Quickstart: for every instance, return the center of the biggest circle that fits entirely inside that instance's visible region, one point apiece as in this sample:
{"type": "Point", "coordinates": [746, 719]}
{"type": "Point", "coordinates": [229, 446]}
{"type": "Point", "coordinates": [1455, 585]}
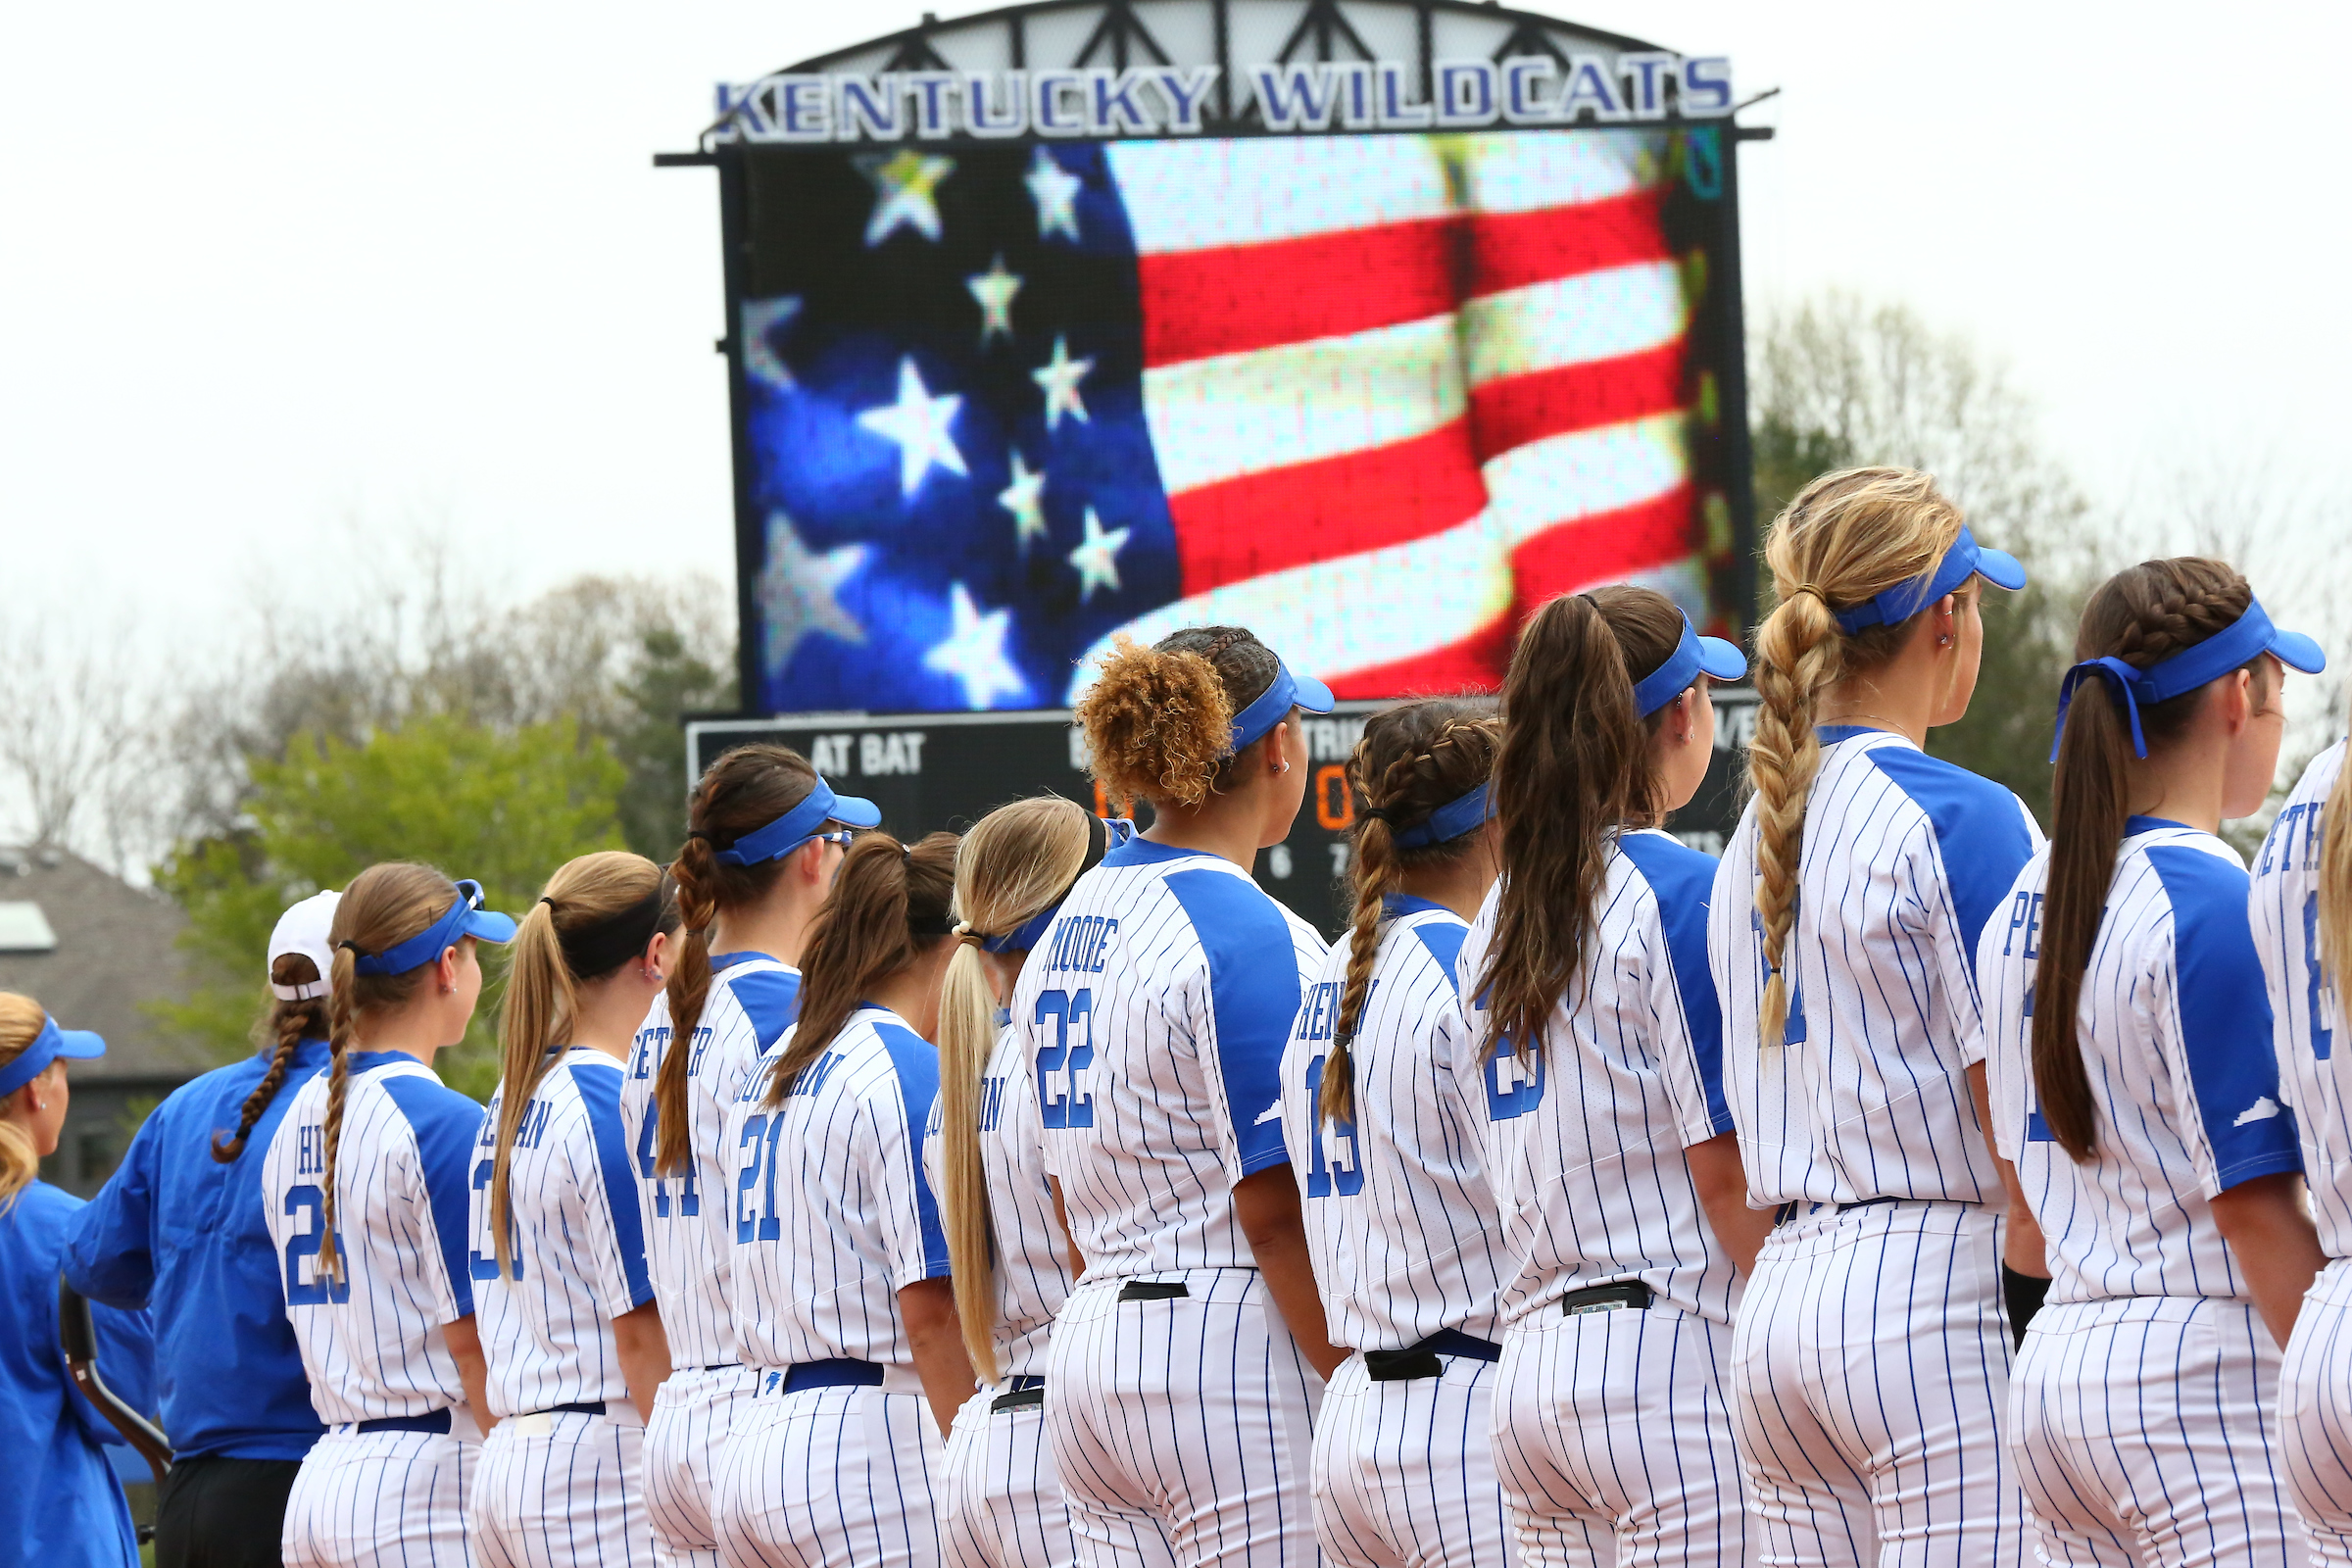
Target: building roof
{"type": "Point", "coordinates": [113, 950]}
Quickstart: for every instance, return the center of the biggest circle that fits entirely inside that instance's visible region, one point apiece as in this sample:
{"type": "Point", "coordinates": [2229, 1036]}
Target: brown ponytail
{"type": "Point", "coordinates": [20, 1021]}
{"type": "Point", "coordinates": [2140, 616]}
{"type": "Point", "coordinates": [1012, 866]}
{"type": "Point", "coordinates": [743, 792]}
{"type": "Point", "coordinates": [864, 936]}
{"type": "Point", "coordinates": [1573, 768]}
{"type": "Point", "coordinates": [1158, 721]}
{"type": "Point", "coordinates": [1411, 760]}
{"type": "Point", "coordinates": [543, 997]}
{"type": "Point", "coordinates": [1846, 538]}
{"type": "Point", "coordinates": [384, 905]}
{"type": "Point", "coordinates": [2335, 883]}
{"type": "Point", "coordinates": [287, 1024]}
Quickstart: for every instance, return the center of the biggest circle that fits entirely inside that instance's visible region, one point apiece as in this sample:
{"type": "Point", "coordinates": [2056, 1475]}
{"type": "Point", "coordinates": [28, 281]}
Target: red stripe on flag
{"type": "Point", "coordinates": [1520, 409]}
{"type": "Point", "coordinates": [1604, 548]}
{"type": "Point", "coordinates": [1262, 522]}
{"type": "Point", "coordinates": [1509, 250]}
{"type": "Point", "coordinates": [1476, 663]}
{"type": "Point", "coordinates": [1235, 298]}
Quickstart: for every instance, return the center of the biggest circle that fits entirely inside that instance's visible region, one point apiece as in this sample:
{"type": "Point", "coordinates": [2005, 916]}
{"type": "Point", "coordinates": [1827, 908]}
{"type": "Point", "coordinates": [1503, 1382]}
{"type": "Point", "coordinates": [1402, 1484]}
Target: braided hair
{"type": "Point", "coordinates": [1411, 760]}
{"type": "Point", "coordinates": [2141, 616]}
{"type": "Point", "coordinates": [285, 1026]}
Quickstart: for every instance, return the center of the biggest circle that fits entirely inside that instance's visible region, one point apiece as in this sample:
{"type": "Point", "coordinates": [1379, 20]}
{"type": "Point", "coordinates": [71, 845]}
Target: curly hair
{"type": "Point", "coordinates": [1158, 721]}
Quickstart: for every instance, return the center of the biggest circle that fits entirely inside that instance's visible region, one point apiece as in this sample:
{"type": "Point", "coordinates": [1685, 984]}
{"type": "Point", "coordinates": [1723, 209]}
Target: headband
{"type": "Point", "coordinates": [602, 945]}
{"type": "Point", "coordinates": [2248, 637]}
{"type": "Point", "coordinates": [1965, 559]}
{"type": "Point", "coordinates": [795, 827]}
{"type": "Point", "coordinates": [1464, 814]}
{"type": "Point", "coordinates": [1693, 657]}
{"type": "Point", "coordinates": [1272, 705]}
{"type": "Point", "coordinates": [74, 1044]}
{"type": "Point", "coordinates": [466, 918]}
{"type": "Point", "coordinates": [1100, 836]}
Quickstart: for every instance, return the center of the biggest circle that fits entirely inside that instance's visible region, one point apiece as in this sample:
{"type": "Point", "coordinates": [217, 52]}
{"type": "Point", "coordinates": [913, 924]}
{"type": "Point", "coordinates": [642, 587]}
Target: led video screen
{"type": "Point", "coordinates": [1376, 397]}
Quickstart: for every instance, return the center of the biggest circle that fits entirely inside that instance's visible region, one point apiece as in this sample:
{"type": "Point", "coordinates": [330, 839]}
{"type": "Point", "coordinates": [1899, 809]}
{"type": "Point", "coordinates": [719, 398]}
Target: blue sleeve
{"type": "Point", "coordinates": [2224, 1017]}
{"type": "Point", "coordinates": [1444, 940]}
{"type": "Point", "coordinates": [109, 1245]}
{"type": "Point", "coordinates": [772, 999]}
{"type": "Point", "coordinates": [1980, 829]}
{"type": "Point", "coordinates": [1683, 881]}
{"type": "Point", "coordinates": [1254, 994]}
{"type": "Point", "coordinates": [446, 1124]}
{"type": "Point", "coordinates": [600, 1095]}
{"type": "Point", "coordinates": [916, 1064]}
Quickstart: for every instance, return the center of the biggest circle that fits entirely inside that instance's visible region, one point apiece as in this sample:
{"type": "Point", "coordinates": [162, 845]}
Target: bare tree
{"type": "Point", "coordinates": [77, 744]}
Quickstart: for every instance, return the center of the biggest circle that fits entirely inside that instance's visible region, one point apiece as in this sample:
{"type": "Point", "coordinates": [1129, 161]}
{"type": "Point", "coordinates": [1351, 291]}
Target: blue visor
{"type": "Point", "coordinates": [1274, 705]}
{"type": "Point", "coordinates": [2244, 639]}
{"type": "Point", "coordinates": [1965, 560]}
{"type": "Point", "coordinates": [50, 1045]}
{"type": "Point", "coordinates": [1464, 814]}
{"type": "Point", "coordinates": [1694, 655]}
{"type": "Point", "coordinates": [799, 825]}
{"type": "Point", "coordinates": [466, 918]}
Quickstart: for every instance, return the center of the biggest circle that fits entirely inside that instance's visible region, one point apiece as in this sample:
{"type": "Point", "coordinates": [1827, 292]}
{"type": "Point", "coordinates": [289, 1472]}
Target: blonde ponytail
{"type": "Point", "coordinates": [20, 1021]}
{"type": "Point", "coordinates": [2335, 883]}
{"type": "Point", "coordinates": [1845, 539]}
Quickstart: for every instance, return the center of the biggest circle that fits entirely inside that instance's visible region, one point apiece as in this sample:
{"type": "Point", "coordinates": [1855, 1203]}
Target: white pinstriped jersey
{"type": "Point", "coordinates": [833, 1216]}
{"type": "Point", "coordinates": [2306, 1009]}
{"type": "Point", "coordinates": [371, 1344]}
{"type": "Point", "coordinates": [575, 1239]}
{"type": "Point", "coordinates": [689, 1232]}
{"type": "Point", "coordinates": [1398, 1213]}
{"type": "Point", "coordinates": [1905, 858]}
{"type": "Point", "coordinates": [1584, 1145]}
{"type": "Point", "coordinates": [2175, 1034]}
{"type": "Point", "coordinates": [1153, 1016]}
{"type": "Point", "coordinates": [1032, 1256]}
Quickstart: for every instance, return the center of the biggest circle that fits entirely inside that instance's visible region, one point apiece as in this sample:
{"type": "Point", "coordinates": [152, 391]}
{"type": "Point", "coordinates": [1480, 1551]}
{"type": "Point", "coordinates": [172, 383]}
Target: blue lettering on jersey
{"type": "Point", "coordinates": [313, 1291]}
{"type": "Point", "coordinates": [1332, 1164]}
{"type": "Point", "coordinates": [486, 1269]}
{"type": "Point", "coordinates": [2318, 996]}
{"type": "Point", "coordinates": [758, 1137]}
{"type": "Point", "coordinates": [2278, 850]}
{"type": "Point", "coordinates": [1514, 1085]}
{"type": "Point", "coordinates": [1319, 1014]}
{"type": "Point", "coordinates": [992, 1103]}
{"type": "Point", "coordinates": [812, 1077]}
{"type": "Point", "coordinates": [689, 1202]}
{"type": "Point", "coordinates": [1059, 1062]}
{"type": "Point", "coordinates": [1080, 943]}
{"type": "Point", "coordinates": [651, 1044]}
{"type": "Point", "coordinates": [2024, 914]}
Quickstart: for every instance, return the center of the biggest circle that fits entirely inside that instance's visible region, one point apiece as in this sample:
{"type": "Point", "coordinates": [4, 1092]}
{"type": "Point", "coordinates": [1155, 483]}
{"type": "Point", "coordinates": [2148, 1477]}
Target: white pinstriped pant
{"type": "Point", "coordinates": [375, 1500]}
{"type": "Point", "coordinates": [2145, 1431]}
{"type": "Point", "coordinates": [1403, 1472]}
{"type": "Point", "coordinates": [1000, 1501]}
{"type": "Point", "coordinates": [832, 1476]}
{"type": "Point", "coordinates": [1183, 1426]}
{"type": "Point", "coordinates": [2315, 1416]}
{"type": "Point", "coordinates": [1870, 1379]}
{"type": "Point", "coordinates": [561, 1489]}
{"type": "Point", "coordinates": [1613, 1441]}
{"type": "Point", "coordinates": [693, 1415]}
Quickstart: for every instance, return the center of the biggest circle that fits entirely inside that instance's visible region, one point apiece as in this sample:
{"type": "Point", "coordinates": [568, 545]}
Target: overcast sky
{"type": "Point", "coordinates": [271, 268]}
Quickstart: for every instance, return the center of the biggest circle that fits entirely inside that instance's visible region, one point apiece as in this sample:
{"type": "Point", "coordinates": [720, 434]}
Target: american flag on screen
{"type": "Point", "coordinates": [1375, 398]}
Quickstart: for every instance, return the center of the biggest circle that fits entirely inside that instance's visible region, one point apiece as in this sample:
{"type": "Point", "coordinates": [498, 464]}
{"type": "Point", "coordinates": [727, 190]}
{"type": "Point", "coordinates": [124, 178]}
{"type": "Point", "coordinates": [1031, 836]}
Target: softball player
{"type": "Point", "coordinates": [1843, 939]}
{"type": "Point", "coordinates": [2301, 905]}
{"type": "Point", "coordinates": [1396, 1204]}
{"type": "Point", "coordinates": [569, 1324]}
{"type": "Point", "coordinates": [1153, 1016]}
{"type": "Point", "coordinates": [767, 836]}
{"type": "Point", "coordinates": [1598, 1076]}
{"type": "Point", "coordinates": [365, 1184]}
{"type": "Point", "coordinates": [2137, 1097]}
{"type": "Point", "coordinates": [839, 1282]}
{"type": "Point", "coordinates": [1000, 1498]}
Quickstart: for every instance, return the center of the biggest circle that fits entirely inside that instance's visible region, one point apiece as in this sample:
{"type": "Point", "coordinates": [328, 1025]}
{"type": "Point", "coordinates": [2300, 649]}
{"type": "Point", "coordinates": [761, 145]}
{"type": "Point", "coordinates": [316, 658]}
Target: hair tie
{"type": "Point", "coordinates": [549, 903]}
{"type": "Point", "coordinates": [1808, 588]}
{"type": "Point", "coordinates": [1381, 813]}
{"type": "Point", "coordinates": [354, 949]}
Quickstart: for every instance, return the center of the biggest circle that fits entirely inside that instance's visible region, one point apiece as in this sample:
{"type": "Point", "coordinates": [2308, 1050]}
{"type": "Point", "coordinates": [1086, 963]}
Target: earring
{"type": "Point", "coordinates": [1946, 641]}
{"type": "Point", "coordinates": [1285, 767]}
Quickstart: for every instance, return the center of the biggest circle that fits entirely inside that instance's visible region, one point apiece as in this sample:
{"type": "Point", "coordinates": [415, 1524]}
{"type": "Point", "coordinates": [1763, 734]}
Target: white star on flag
{"type": "Point", "coordinates": [1097, 560]}
{"type": "Point", "coordinates": [1024, 498]}
{"type": "Point", "coordinates": [994, 289]}
{"type": "Point", "coordinates": [761, 318]}
{"type": "Point", "coordinates": [1056, 189]}
{"type": "Point", "coordinates": [799, 593]}
{"type": "Point", "coordinates": [974, 652]}
{"type": "Point", "coordinates": [920, 424]}
{"type": "Point", "coordinates": [1061, 379]}
{"type": "Point", "coordinates": [903, 184]}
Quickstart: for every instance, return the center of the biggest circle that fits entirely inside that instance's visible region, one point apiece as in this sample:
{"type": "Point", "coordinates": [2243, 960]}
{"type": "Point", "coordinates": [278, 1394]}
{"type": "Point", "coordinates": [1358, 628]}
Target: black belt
{"type": "Point", "coordinates": [1421, 1360]}
{"type": "Point", "coordinates": [834, 1372]}
{"type": "Point", "coordinates": [436, 1421]}
{"type": "Point", "coordinates": [1606, 1298]}
{"type": "Point", "coordinates": [585, 1407]}
{"type": "Point", "coordinates": [1154, 1290]}
{"type": "Point", "coordinates": [1796, 1205]}
{"type": "Point", "coordinates": [1021, 1393]}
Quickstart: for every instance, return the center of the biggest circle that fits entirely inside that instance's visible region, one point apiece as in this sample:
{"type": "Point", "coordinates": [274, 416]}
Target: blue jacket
{"type": "Point", "coordinates": [61, 1504]}
{"type": "Point", "coordinates": [183, 1235]}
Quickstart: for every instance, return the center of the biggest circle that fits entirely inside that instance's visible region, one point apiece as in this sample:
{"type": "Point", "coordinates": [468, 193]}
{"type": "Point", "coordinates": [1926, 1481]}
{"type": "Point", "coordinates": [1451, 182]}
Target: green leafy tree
{"type": "Point", "coordinates": [649, 736]}
{"type": "Point", "coordinates": [503, 806]}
